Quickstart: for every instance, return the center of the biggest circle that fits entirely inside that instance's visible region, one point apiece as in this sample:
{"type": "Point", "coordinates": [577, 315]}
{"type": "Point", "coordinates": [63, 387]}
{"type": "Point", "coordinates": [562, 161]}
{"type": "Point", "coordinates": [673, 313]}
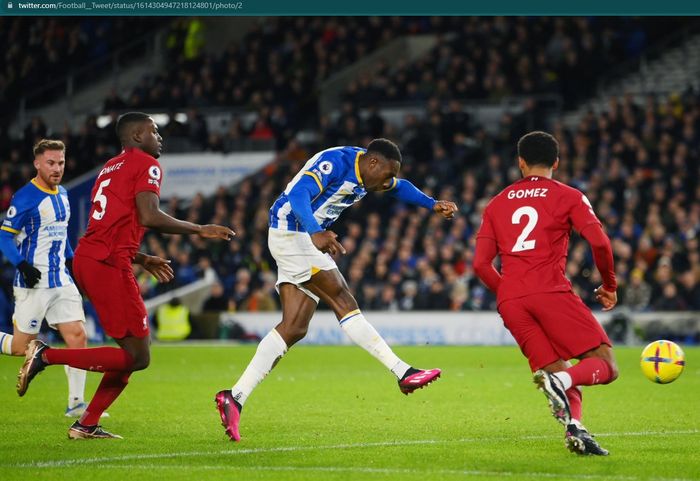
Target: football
{"type": "Point", "coordinates": [662, 361]}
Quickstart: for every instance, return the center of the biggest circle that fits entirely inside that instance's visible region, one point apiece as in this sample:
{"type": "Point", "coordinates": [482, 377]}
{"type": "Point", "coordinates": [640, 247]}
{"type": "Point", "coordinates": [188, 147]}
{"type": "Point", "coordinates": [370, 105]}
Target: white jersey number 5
{"type": "Point", "coordinates": [101, 199]}
{"type": "Point", "coordinates": [522, 244]}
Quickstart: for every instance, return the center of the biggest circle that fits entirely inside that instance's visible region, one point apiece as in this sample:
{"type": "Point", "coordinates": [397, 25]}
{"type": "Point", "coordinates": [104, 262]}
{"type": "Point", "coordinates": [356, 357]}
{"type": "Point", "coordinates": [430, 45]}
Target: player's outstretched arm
{"type": "Point", "coordinates": [150, 215]}
{"type": "Point", "coordinates": [157, 266]}
{"type": "Point", "coordinates": [406, 192]}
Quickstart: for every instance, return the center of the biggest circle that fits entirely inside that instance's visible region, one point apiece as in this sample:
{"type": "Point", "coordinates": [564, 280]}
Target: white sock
{"type": "Point", "coordinates": [565, 379]}
{"type": "Point", "coordinates": [76, 385]}
{"type": "Point", "coordinates": [364, 335]}
{"type": "Point", "coordinates": [6, 343]}
{"type": "Point", "coordinates": [270, 350]}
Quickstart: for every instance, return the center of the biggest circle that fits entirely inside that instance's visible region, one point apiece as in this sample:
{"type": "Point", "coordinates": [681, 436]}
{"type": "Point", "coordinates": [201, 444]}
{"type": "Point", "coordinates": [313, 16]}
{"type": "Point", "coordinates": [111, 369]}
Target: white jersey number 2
{"type": "Point", "coordinates": [101, 199]}
{"type": "Point", "coordinates": [522, 244]}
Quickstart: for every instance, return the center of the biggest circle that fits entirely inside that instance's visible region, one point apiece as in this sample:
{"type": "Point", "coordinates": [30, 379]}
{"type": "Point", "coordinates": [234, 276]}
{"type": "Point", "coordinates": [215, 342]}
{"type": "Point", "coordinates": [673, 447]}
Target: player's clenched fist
{"type": "Point", "coordinates": [213, 231]}
{"type": "Point", "coordinates": [445, 208]}
{"type": "Point", "coordinates": [326, 242]}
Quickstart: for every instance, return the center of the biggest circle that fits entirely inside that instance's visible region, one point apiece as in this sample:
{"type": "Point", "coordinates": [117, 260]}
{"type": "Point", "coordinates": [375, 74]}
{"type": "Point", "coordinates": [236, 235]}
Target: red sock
{"type": "Point", "coordinates": [99, 359]}
{"type": "Point", "coordinates": [575, 397]}
{"type": "Point", "coordinates": [111, 386]}
{"type": "Point", "coordinates": [590, 371]}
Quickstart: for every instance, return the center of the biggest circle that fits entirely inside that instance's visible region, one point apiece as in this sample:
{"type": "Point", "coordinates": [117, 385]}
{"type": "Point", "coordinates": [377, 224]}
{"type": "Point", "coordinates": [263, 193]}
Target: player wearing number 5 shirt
{"type": "Point", "coordinates": [528, 226]}
{"type": "Point", "coordinates": [125, 201]}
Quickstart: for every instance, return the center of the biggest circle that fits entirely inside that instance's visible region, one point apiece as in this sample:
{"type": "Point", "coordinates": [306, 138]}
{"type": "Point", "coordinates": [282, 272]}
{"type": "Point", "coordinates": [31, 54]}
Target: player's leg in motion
{"type": "Point", "coordinates": [297, 310]}
{"type": "Point", "coordinates": [74, 336]}
{"type": "Point", "coordinates": [117, 363]}
{"type": "Point", "coordinates": [331, 287]}
{"type": "Point", "coordinates": [596, 366]}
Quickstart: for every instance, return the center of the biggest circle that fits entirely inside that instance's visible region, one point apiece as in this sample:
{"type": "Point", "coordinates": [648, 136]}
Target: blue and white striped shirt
{"type": "Point", "coordinates": [336, 171]}
{"type": "Point", "coordinates": [38, 222]}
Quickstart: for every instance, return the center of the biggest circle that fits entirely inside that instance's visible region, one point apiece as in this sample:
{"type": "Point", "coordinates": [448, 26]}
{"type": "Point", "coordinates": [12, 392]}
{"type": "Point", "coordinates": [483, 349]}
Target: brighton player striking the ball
{"type": "Point", "coordinates": [302, 245]}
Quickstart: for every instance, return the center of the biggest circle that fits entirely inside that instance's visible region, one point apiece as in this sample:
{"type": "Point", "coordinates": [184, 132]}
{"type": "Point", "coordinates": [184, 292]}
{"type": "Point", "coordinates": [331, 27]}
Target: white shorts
{"type": "Point", "coordinates": [55, 304]}
{"type": "Point", "coordinates": [297, 258]}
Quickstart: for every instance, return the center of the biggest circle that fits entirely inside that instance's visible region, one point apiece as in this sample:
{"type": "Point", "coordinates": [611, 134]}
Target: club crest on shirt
{"type": "Point", "coordinates": [154, 172]}
{"type": "Point", "coordinates": [325, 167]}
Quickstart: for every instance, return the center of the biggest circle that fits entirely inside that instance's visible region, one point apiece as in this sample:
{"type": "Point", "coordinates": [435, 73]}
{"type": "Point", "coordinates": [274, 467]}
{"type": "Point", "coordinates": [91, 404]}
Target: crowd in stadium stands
{"type": "Point", "coordinates": [494, 58]}
{"type": "Point", "coordinates": [277, 70]}
{"type": "Point", "coordinates": [41, 50]}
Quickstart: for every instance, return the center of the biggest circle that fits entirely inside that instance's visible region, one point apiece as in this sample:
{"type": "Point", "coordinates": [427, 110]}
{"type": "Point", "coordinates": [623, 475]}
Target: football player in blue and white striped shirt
{"type": "Point", "coordinates": [34, 238]}
{"type": "Point", "coordinates": [302, 245]}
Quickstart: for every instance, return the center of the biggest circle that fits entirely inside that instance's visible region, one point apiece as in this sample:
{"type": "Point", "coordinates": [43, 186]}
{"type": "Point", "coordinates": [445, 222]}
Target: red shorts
{"type": "Point", "coordinates": [116, 296]}
{"type": "Point", "coordinates": [552, 326]}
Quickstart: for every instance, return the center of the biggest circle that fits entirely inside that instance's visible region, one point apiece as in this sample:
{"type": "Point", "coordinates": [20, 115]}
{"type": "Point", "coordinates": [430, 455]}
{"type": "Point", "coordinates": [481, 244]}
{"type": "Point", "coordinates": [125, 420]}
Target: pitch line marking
{"type": "Point", "coordinates": [399, 471]}
{"type": "Point", "coordinates": [238, 452]}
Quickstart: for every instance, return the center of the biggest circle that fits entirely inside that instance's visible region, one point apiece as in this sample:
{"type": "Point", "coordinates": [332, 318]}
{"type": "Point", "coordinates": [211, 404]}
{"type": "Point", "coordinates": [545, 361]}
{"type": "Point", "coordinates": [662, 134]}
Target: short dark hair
{"type": "Point", "coordinates": [386, 148]}
{"type": "Point", "coordinates": [538, 148]}
{"type": "Point", "coordinates": [127, 119]}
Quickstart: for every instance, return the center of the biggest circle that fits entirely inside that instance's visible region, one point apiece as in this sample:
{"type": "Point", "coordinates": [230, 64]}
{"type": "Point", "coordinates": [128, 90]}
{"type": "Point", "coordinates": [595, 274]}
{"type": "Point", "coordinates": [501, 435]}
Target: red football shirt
{"type": "Point", "coordinates": [531, 221]}
{"type": "Point", "coordinates": [114, 233]}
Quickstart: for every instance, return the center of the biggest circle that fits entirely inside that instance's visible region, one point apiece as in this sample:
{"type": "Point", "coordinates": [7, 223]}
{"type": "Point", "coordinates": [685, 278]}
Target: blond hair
{"type": "Point", "coordinates": [47, 144]}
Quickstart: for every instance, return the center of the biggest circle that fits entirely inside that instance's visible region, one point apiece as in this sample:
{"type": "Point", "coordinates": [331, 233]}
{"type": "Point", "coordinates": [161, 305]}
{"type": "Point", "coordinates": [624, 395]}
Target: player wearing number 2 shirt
{"type": "Point", "coordinates": [125, 201]}
{"type": "Point", "coordinates": [528, 226]}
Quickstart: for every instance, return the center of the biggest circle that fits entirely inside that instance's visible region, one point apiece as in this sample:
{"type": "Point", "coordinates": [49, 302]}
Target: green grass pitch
{"type": "Point", "coordinates": [334, 413]}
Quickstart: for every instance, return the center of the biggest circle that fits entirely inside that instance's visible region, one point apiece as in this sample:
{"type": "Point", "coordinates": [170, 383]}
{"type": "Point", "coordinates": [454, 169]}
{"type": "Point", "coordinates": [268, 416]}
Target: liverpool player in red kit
{"type": "Point", "coordinates": [528, 226]}
{"type": "Point", "coordinates": [125, 201]}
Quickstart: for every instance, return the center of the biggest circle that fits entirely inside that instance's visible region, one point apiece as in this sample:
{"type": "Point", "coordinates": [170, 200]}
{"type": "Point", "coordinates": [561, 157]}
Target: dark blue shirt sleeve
{"type": "Point", "coordinates": [14, 222]}
{"type": "Point", "coordinates": [8, 247]}
{"type": "Point", "coordinates": [300, 197]}
{"type": "Point", "coordinates": [406, 192]}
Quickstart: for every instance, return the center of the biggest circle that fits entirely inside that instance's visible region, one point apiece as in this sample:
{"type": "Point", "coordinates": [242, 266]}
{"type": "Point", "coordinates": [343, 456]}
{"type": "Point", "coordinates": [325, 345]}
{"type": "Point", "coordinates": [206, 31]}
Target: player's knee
{"type": "Point", "coordinates": [295, 334]}
{"type": "Point", "coordinates": [141, 361]}
{"type": "Point", "coordinates": [76, 339]}
{"type": "Point", "coordinates": [614, 372]}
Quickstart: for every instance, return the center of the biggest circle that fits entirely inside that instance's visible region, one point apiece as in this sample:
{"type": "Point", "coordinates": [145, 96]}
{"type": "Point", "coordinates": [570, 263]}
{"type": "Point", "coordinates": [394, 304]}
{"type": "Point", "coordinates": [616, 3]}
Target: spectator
{"type": "Point", "coordinates": [669, 300]}
{"type": "Point", "coordinates": [217, 300]}
{"type": "Point", "coordinates": [173, 321]}
{"type": "Point", "coordinates": [637, 294]}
